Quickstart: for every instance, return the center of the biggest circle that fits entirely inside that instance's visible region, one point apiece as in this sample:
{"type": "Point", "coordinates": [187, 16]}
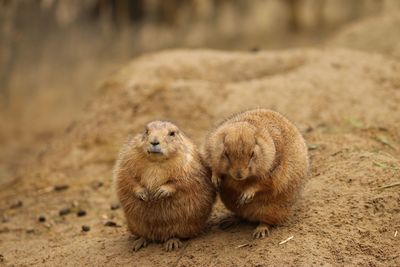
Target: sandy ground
{"type": "Point", "coordinates": [345, 103]}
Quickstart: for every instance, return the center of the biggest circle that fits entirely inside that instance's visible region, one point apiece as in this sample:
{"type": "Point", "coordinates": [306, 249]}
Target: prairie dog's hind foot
{"type": "Point", "coordinates": [261, 231]}
{"type": "Point", "coordinates": [172, 244]}
{"type": "Point", "coordinates": [229, 221]}
{"type": "Point", "coordinates": [139, 243]}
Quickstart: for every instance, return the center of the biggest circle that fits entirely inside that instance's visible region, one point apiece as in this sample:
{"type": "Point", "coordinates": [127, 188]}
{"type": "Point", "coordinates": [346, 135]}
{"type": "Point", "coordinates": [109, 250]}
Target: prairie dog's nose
{"type": "Point", "coordinates": [154, 142]}
{"type": "Point", "coordinates": [239, 175]}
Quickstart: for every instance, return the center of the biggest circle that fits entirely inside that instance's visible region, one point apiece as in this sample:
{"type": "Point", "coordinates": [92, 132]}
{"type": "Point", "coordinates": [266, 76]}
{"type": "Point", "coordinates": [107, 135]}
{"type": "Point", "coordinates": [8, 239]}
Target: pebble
{"type": "Point", "coordinates": [97, 184]}
{"type": "Point", "coordinates": [30, 231]}
{"type": "Point", "coordinates": [313, 146]}
{"type": "Point", "coordinates": [64, 211]}
{"type": "Point", "coordinates": [110, 224]}
{"type": "Point", "coordinates": [16, 204]}
{"type": "Point", "coordinates": [61, 187]}
{"type": "Point", "coordinates": [42, 218]}
{"type": "Point", "coordinates": [81, 213]}
{"type": "Point", "coordinates": [5, 219]}
{"type": "Point", "coordinates": [85, 228]}
{"type": "Point", "coordinates": [255, 49]}
{"type": "Point", "coordinates": [115, 206]}
{"type": "Point", "coordinates": [4, 230]}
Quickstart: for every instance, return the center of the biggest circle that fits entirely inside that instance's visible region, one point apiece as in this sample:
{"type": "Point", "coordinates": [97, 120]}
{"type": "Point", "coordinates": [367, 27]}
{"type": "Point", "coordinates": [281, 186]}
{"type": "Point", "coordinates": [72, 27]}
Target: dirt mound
{"type": "Point", "coordinates": [345, 103]}
{"type": "Point", "coordinates": [380, 34]}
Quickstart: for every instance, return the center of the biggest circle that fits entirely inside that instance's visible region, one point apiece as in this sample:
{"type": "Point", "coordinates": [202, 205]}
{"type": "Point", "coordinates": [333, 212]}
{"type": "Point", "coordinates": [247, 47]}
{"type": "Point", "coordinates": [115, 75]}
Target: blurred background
{"type": "Point", "coordinates": [55, 53]}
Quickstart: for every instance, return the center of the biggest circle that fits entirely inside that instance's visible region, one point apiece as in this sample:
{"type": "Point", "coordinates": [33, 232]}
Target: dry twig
{"type": "Point", "coordinates": [389, 185]}
{"type": "Point", "coordinates": [286, 240]}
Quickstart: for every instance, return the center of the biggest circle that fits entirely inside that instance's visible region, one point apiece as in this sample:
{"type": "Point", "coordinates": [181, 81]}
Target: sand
{"type": "Point", "coordinates": [345, 102]}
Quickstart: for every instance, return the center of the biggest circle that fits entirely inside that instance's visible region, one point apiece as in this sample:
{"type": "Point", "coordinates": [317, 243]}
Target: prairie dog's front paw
{"type": "Point", "coordinates": [142, 194]}
{"type": "Point", "coordinates": [246, 197]}
{"type": "Point", "coordinates": [216, 180]}
{"type": "Point", "coordinates": [163, 192]}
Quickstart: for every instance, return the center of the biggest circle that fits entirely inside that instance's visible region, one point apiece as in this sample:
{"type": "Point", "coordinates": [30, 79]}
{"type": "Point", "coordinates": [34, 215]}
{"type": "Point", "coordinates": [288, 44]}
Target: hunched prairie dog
{"type": "Point", "coordinates": [259, 162]}
{"type": "Point", "coordinates": [163, 186]}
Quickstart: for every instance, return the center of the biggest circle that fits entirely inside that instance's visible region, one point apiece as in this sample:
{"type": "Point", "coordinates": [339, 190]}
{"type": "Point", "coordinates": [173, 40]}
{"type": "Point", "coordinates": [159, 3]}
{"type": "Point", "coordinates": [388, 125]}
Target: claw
{"type": "Point", "coordinates": [245, 198]}
{"type": "Point", "coordinates": [172, 244]}
{"type": "Point", "coordinates": [142, 194]}
{"type": "Point", "coordinates": [161, 193]}
{"type": "Point", "coordinates": [139, 243]}
{"type": "Point", "coordinates": [261, 231]}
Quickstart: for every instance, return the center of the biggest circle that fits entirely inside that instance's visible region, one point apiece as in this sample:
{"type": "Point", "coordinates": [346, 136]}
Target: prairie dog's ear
{"type": "Point", "coordinates": [267, 147]}
{"type": "Point", "coordinates": [265, 141]}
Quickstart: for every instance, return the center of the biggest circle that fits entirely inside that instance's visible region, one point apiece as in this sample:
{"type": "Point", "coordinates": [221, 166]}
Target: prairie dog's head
{"type": "Point", "coordinates": [243, 153]}
{"type": "Point", "coordinates": [162, 140]}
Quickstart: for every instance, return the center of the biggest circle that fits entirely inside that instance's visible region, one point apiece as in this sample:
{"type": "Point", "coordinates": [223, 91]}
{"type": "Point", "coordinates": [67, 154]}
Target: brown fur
{"type": "Point", "coordinates": [259, 161]}
{"type": "Point", "coordinates": [164, 196]}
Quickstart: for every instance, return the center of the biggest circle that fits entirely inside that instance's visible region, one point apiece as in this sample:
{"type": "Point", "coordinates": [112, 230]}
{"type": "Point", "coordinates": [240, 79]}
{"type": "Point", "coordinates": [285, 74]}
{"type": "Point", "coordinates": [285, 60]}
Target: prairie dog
{"type": "Point", "coordinates": [259, 163]}
{"type": "Point", "coordinates": [163, 186]}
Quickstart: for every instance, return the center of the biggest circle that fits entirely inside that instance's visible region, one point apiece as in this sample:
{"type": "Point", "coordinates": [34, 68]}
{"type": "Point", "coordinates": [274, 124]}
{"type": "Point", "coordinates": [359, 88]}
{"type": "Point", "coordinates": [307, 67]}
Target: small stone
{"type": "Point", "coordinates": [254, 49]}
{"type": "Point", "coordinates": [115, 206]}
{"type": "Point", "coordinates": [309, 129]}
{"type": "Point", "coordinates": [61, 187]}
{"type": "Point", "coordinates": [30, 231]}
{"type": "Point", "coordinates": [4, 230]}
{"type": "Point", "coordinates": [16, 204]}
{"type": "Point", "coordinates": [81, 213]}
{"type": "Point", "coordinates": [5, 219]}
{"type": "Point", "coordinates": [110, 224]}
{"type": "Point", "coordinates": [64, 211]}
{"type": "Point", "coordinates": [313, 146]}
{"type": "Point", "coordinates": [42, 218]}
{"type": "Point", "coordinates": [97, 184]}
{"type": "Point", "coordinates": [85, 228]}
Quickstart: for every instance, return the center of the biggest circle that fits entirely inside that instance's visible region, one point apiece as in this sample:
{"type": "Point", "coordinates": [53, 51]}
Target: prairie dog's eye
{"type": "Point", "coordinates": [146, 131]}
{"type": "Point", "coordinates": [172, 133]}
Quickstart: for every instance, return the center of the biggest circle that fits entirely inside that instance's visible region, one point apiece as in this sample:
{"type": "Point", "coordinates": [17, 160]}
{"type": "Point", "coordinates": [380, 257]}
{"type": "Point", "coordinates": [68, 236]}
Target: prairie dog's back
{"type": "Point", "coordinates": [286, 136]}
{"type": "Point", "coordinates": [265, 119]}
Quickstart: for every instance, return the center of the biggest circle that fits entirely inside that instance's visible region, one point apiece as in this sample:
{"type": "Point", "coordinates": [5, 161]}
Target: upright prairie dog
{"type": "Point", "coordinates": [163, 186]}
{"type": "Point", "coordinates": [259, 163]}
